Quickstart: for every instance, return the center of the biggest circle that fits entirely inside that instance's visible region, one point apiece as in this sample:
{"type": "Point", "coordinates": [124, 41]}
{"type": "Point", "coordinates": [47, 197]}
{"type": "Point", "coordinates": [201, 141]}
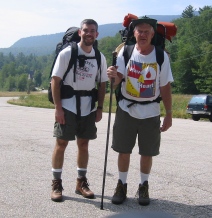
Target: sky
{"type": "Point", "coordinates": [25, 18]}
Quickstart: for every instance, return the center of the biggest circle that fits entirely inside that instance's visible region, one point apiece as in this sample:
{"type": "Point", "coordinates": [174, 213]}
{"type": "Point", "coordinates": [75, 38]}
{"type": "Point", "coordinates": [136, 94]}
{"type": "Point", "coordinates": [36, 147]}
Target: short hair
{"type": "Point", "coordinates": [152, 29]}
{"type": "Point", "coordinates": [89, 21]}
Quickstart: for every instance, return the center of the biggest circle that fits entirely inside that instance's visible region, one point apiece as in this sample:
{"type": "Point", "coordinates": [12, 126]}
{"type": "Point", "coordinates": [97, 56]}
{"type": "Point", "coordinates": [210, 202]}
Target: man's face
{"type": "Point", "coordinates": [143, 34]}
{"type": "Point", "coordinates": [88, 34]}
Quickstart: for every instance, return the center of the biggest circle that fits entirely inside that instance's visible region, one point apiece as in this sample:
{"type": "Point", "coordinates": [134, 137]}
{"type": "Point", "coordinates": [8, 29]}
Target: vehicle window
{"type": "Point", "coordinates": [197, 99]}
{"type": "Point", "coordinates": [210, 100]}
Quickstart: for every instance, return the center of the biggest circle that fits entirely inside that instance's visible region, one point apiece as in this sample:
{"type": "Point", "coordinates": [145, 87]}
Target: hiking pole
{"type": "Point", "coordinates": [108, 130]}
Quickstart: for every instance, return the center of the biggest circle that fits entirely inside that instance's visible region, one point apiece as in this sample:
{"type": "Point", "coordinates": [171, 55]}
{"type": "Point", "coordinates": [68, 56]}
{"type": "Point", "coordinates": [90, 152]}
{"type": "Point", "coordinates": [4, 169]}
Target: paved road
{"type": "Point", "coordinates": [180, 182]}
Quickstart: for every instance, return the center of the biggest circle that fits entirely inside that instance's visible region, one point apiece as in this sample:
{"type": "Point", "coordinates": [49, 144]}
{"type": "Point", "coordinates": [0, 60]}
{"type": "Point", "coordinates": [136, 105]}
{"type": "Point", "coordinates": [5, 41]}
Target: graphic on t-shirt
{"type": "Point", "coordinates": [141, 79]}
{"type": "Point", "coordinates": [84, 72]}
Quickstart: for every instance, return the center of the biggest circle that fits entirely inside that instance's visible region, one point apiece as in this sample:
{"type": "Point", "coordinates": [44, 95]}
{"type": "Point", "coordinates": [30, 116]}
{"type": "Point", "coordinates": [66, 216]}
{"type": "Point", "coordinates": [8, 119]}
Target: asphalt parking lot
{"type": "Point", "coordinates": [180, 181]}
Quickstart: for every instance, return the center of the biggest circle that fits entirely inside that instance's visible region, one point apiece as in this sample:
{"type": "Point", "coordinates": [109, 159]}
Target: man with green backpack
{"type": "Point", "coordinates": [144, 82]}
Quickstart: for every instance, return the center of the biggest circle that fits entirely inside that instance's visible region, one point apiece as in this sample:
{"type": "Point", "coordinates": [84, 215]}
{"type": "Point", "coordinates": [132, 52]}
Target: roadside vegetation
{"type": "Point", "coordinates": [35, 99]}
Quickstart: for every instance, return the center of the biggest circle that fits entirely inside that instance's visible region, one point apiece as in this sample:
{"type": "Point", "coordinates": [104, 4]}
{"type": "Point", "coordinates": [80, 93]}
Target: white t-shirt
{"type": "Point", "coordinates": [86, 77]}
{"type": "Point", "coordinates": [143, 80]}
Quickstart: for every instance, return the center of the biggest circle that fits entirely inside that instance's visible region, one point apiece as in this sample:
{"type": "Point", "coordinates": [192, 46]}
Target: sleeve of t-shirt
{"type": "Point", "coordinates": [120, 61]}
{"type": "Point", "coordinates": [166, 73]}
{"type": "Point", "coordinates": [62, 62]}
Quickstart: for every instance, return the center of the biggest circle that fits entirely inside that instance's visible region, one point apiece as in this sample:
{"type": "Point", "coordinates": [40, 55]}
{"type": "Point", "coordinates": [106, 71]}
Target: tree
{"type": "Point", "coordinates": [22, 83]}
{"type": "Point", "coordinates": [1, 60]}
{"type": "Point", "coordinates": [10, 84]}
{"type": "Point", "coordinates": [205, 8]}
{"type": "Point", "coordinates": [183, 74]}
{"type": "Point", "coordinates": [5, 73]}
{"type": "Point", "coordinates": [204, 73]}
{"type": "Point", "coordinates": [38, 78]}
{"type": "Point", "coordinates": [188, 12]}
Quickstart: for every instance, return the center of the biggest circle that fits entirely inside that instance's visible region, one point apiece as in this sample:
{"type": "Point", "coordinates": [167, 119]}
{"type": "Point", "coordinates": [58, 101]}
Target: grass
{"type": "Point", "coordinates": [34, 99]}
{"type": "Point", "coordinates": [37, 99]}
{"type": "Point", "coordinates": [12, 94]}
{"type": "Point", "coordinates": [179, 105]}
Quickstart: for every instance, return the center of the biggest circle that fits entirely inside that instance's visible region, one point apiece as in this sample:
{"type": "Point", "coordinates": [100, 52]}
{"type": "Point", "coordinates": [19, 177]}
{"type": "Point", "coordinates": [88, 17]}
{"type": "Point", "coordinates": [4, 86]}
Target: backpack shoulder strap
{"type": "Point", "coordinates": [159, 56]}
{"type": "Point", "coordinates": [52, 66]}
{"type": "Point", "coordinates": [73, 60]}
{"type": "Point", "coordinates": [98, 59]}
{"type": "Point", "coordinates": [128, 49]}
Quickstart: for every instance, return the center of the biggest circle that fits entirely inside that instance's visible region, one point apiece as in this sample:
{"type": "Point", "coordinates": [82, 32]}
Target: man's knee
{"type": "Point", "coordinates": [146, 158]}
{"type": "Point", "coordinates": [61, 144]}
{"type": "Point", "coordinates": [83, 144]}
{"type": "Point", "coordinates": [124, 157]}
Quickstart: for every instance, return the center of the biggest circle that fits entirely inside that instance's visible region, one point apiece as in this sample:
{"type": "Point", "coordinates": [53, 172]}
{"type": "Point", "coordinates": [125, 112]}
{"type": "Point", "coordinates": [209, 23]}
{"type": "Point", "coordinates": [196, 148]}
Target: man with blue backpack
{"type": "Point", "coordinates": [73, 90]}
{"type": "Point", "coordinates": [144, 82]}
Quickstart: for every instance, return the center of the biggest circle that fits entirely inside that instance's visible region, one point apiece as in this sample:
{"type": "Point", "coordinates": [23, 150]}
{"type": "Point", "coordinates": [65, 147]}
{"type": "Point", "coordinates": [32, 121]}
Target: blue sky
{"type": "Point", "coordinates": [24, 18]}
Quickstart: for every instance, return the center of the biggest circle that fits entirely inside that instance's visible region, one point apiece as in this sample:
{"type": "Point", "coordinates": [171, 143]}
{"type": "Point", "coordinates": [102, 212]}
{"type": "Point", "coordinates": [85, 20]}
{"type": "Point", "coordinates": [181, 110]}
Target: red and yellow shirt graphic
{"type": "Point", "coordinates": [141, 79]}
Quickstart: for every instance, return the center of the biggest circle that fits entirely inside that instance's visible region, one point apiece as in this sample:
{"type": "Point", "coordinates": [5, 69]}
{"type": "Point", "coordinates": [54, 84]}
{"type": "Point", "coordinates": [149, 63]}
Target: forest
{"type": "Point", "coordinates": [190, 56]}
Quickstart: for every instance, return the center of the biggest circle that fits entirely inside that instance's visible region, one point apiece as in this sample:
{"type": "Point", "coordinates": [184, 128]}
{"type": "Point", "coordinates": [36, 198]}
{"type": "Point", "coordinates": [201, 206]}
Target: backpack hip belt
{"type": "Point", "coordinates": [68, 92]}
{"type": "Point", "coordinates": [80, 93]}
{"type": "Point", "coordinates": [157, 100]}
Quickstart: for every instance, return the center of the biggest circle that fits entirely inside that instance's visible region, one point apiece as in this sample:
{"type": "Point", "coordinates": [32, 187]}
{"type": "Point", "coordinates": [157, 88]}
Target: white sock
{"type": "Point", "coordinates": [144, 177]}
{"type": "Point", "coordinates": [57, 170]}
{"type": "Point", "coordinates": [123, 177]}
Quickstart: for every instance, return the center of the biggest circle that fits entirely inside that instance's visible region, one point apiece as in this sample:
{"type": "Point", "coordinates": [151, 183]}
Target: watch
{"type": "Point", "coordinates": [100, 107]}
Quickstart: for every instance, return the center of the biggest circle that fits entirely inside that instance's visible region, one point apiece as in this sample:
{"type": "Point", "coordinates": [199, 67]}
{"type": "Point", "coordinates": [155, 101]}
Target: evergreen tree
{"type": "Point", "coordinates": [205, 8]}
{"type": "Point", "coordinates": [188, 12]}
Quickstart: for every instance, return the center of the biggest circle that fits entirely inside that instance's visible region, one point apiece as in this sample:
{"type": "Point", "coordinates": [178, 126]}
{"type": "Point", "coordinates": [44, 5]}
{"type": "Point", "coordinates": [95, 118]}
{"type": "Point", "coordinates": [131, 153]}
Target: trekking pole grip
{"type": "Point", "coordinates": [114, 64]}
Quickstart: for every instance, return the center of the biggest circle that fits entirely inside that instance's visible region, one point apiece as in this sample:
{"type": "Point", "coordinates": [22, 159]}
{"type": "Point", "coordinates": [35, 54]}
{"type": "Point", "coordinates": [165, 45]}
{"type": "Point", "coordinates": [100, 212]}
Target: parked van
{"type": "Point", "coordinates": [200, 106]}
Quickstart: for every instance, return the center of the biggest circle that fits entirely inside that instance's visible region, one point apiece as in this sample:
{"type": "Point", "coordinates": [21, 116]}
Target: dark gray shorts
{"type": "Point", "coordinates": [127, 128]}
{"type": "Point", "coordinates": [84, 128]}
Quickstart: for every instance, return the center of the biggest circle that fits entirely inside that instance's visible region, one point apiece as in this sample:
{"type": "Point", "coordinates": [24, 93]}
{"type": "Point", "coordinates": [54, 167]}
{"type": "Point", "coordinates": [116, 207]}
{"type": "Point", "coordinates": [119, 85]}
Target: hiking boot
{"type": "Point", "coordinates": [120, 193]}
{"type": "Point", "coordinates": [83, 189]}
{"type": "Point", "coordinates": [143, 194]}
{"type": "Point", "coordinates": [57, 189]}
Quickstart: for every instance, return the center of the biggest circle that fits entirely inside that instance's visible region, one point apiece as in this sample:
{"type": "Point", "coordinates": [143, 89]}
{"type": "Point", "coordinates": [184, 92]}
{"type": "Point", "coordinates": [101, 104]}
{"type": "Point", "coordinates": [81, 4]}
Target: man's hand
{"type": "Point", "coordinates": [59, 116]}
{"type": "Point", "coordinates": [59, 113]}
{"type": "Point", "coordinates": [98, 115]}
{"type": "Point", "coordinates": [167, 123]}
{"type": "Point", "coordinates": [112, 72]}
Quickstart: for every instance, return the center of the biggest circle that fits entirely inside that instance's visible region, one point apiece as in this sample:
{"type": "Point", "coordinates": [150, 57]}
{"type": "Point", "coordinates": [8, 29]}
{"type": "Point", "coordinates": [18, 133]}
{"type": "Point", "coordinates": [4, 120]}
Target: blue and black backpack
{"type": "Point", "coordinates": [71, 37]}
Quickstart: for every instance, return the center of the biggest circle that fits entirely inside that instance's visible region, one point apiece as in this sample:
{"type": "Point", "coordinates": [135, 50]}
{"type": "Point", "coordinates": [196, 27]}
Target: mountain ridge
{"type": "Point", "coordinates": [46, 44]}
